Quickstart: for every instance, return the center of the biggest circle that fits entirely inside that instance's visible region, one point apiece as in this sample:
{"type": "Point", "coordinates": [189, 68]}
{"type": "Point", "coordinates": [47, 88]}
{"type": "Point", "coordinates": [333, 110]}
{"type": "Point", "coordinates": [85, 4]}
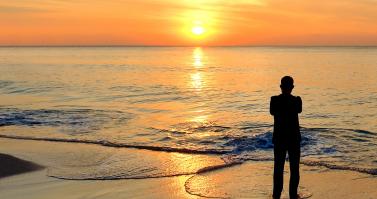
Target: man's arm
{"type": "Point", "coordinates": [299, 104]}
{"type": "Point", "coordinates": [272, 106]}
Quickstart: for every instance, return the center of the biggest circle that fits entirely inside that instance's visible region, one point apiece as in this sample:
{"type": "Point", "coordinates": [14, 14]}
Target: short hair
{"type": "Point", "coordinates": [287, 82]}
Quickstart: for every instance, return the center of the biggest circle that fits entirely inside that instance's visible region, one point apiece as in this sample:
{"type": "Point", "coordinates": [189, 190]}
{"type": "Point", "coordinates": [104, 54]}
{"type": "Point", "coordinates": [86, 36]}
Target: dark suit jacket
{"type": "Point", "coordinates": [285, 109]}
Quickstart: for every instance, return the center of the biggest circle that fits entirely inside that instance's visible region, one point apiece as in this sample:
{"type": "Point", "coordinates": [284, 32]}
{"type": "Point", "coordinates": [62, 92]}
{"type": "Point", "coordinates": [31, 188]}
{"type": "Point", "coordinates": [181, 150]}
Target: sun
{"type": "Point", "coordinates": [197, 30]}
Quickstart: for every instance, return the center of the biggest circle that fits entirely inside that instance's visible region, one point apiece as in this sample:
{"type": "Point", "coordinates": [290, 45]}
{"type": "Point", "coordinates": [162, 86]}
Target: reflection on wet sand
{"type": "Point", "coordinates": [84, 161]}
{"type": "Point", "coordinates": [234, 182]}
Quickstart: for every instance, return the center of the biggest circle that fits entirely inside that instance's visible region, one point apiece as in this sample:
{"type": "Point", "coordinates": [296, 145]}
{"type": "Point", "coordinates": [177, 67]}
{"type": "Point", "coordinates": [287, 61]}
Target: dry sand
{"type": "Point", "coordinates": [248, 180]}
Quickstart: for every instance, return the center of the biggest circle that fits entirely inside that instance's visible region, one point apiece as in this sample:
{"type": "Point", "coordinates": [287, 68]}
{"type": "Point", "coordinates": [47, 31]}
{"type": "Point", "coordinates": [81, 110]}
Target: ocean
{"type": "Point", "coordinates": [204, 102]}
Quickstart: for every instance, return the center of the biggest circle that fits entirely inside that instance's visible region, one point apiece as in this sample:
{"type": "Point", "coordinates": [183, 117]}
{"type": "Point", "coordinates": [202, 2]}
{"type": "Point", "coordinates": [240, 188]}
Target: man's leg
{"type": "Point", "coordinates": [279, 159]}
{"type": "Point", "coordinates": [294, 165]}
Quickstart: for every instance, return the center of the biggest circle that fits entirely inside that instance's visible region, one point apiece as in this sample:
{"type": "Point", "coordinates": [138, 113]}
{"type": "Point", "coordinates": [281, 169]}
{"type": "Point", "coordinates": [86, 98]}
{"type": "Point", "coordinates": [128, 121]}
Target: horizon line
{"type": "Point", "coordinates": [105, 45]}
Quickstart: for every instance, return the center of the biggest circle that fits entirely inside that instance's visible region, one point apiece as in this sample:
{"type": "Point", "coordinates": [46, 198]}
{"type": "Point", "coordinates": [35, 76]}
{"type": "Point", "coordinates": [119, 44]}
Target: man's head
{"type": "Point", "coordinates": [286, 85]}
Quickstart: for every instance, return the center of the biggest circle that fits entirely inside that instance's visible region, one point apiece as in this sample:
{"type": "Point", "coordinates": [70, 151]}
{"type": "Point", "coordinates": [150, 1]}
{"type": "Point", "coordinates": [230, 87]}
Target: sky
{"type": "Point", "coordinates": [188, 22]}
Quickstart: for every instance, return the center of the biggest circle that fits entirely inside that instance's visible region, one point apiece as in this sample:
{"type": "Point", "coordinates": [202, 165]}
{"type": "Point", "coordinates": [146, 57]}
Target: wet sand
{"type": "Point", "coordinates": [248, 180]}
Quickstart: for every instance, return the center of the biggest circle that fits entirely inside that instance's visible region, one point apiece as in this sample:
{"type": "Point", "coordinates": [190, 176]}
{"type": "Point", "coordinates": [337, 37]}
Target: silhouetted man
{"type": "Point", "coordinates": [286, 137]}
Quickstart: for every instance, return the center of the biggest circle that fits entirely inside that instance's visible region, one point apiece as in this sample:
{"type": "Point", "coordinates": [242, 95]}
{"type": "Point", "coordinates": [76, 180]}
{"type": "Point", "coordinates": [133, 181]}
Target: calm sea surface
{"type": "Point", "coordinates": [211, 101]}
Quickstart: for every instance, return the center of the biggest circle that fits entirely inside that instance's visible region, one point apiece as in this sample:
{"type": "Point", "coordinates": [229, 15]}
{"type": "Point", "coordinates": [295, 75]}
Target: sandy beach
{"type": "Point", "coordinates": [251, 179]}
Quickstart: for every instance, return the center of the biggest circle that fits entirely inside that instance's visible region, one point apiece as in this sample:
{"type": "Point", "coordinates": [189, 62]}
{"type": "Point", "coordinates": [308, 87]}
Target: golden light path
{"type": "Point", "coordinates": [197, 56]}
{"type": "Point", "coordinates": [198, 82]}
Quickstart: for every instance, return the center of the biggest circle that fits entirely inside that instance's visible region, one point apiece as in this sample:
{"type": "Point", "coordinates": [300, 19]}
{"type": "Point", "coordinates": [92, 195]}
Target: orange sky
{"type": "Point", "coordinates": [169, 22]}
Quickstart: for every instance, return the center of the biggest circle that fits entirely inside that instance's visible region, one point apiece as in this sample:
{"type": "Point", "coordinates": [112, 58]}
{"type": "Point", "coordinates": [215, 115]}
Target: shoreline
{"type": "Point", "coordinates": [371, 171]}
{"type": "Point", "coordinates": [252, 179]}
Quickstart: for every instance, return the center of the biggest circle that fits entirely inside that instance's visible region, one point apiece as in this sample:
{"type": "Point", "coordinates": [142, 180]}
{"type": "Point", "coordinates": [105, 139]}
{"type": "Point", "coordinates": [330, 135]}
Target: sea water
{"type": "Point", "coordinates": [195, 102]}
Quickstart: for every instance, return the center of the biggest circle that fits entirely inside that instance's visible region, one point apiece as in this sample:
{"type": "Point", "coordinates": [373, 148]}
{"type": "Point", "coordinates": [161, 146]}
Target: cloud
{"type": "Point", "coordinates": [21, 9]}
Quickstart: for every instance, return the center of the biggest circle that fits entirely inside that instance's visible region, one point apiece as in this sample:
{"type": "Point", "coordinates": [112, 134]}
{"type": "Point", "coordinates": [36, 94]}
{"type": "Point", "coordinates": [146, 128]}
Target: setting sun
{"type": "Point", "coordinates": [198, 30]}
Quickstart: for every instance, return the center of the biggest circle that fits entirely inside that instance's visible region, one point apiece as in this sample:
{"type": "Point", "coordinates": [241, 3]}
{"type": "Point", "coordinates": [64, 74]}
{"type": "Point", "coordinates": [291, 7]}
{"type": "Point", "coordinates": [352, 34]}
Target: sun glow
{"type": "Point", "coordinates": [198, 27]}
{"type": "Point", "coordinates": [198, 30]}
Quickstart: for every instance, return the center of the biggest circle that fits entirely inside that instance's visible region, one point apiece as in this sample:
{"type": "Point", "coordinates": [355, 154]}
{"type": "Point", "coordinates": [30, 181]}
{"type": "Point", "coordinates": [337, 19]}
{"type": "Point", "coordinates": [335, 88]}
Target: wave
{"type": "Point", "coordinates": [21, 87]}
{"type": "Point", "coordinates": [371, 171]}
{"type": "Point", "coordinates": [118, 145]}
{"type": "Point", "coordinates": [52, 172]}
{"type": "Point", "coordinates": [69, 121]}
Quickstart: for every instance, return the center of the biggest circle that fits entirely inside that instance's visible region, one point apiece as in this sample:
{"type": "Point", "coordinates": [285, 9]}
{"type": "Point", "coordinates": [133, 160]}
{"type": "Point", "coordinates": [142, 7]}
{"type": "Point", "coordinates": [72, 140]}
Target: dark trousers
{"type": "Point", "coordinates": [280, 152]}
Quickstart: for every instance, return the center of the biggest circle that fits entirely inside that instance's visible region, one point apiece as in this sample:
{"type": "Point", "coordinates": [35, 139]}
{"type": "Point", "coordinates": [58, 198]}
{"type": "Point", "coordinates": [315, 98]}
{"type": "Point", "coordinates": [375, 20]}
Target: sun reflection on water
{"type": "Point", "coordinates": [197, 56]}
{"type": "Point", "coordinates": [199, 81]}
{"type": "Point", "coordinates": [197, 77]}
{"type": "Point", "coordinates": [200, 119]}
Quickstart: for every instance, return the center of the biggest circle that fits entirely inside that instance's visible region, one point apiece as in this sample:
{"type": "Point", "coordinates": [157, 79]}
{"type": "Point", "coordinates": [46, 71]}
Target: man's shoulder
{"type": "Point", "coordinates": [282, 97]}
{"type": "Point", "coordinates": [274, 98]}
{"type": "Point", "coordinates": [297, 98]}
